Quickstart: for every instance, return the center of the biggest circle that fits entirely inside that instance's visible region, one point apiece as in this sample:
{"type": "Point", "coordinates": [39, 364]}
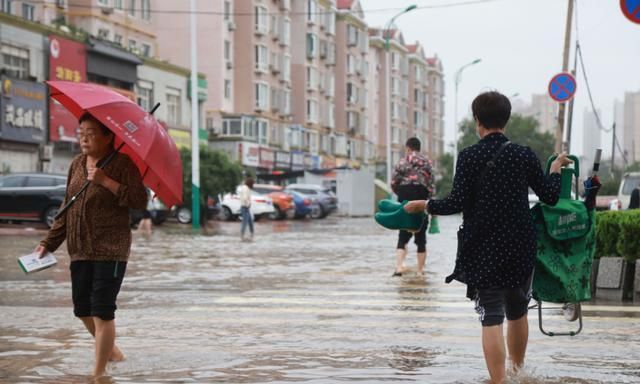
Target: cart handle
{"type": "Point", "coordinates": [576, 164]}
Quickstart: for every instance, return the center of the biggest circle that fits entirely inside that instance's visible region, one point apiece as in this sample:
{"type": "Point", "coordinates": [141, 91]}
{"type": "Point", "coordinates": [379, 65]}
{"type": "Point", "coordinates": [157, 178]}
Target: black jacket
{"type": "Point", "coordinates": [500, 245]}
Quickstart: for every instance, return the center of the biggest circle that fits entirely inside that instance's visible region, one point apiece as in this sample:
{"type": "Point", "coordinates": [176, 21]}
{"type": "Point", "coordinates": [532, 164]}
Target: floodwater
{"type": "Point", "coordinates": [307, 301]}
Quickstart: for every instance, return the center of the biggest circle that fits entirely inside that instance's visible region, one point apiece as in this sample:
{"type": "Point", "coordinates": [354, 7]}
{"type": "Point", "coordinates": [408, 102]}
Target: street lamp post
{"type": "Point", "coordinates": [386, 36]}
{"type": "Point", "coordinates": [457, 79]}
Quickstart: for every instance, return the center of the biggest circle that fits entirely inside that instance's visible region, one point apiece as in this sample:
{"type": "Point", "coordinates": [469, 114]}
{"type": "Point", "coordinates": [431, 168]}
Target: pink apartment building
{"type": "Point", "coordinates": [352, 85]}
{"type": "Point", "coordinates": [313, 76]}
{"type": "Point", "coordinates": [418, 93]}
{"type": "Point", "coordinates": [435, 106]}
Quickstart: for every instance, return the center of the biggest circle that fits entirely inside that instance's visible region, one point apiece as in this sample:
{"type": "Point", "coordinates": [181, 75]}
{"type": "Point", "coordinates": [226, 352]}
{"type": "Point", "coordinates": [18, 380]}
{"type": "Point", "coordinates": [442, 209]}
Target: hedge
{"type": "Point", "coordinates": [618, 234]}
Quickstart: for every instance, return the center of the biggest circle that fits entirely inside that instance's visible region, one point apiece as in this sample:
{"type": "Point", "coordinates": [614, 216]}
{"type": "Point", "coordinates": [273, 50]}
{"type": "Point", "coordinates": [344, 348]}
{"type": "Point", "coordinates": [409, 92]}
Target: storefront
{"type": "Point", "coordinates": [283, 161]}
{"type": "Point", "coordinates": [22, 124]}
{"type": "Point", "coordinates": [297, 161]}
{"type": "Point", "coordinates": [267, 159]}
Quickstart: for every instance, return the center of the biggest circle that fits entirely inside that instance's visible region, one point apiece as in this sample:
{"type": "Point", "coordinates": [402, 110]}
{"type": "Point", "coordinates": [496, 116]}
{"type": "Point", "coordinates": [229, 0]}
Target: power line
{"type": "Point", "coordinates": [219, 13]}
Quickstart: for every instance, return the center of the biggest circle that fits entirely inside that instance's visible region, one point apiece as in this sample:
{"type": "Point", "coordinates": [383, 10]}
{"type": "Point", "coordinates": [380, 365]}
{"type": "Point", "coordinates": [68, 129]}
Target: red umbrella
{"type": "Point", "coordinates": [137, 132]}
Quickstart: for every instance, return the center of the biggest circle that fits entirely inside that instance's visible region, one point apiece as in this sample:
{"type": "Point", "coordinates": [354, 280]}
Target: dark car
{"type": "Point", "coordinates": [304, 205]}
{"type": "Point", "coordinates": [324, 196]}
{"type": "Point", "coordinates": [31, 197]}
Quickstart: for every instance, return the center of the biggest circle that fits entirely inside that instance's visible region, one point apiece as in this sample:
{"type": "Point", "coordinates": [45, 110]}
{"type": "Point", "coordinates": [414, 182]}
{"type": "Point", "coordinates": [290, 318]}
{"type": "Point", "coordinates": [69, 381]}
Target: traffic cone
{"type": "Point", "coordinates": [433, 226]}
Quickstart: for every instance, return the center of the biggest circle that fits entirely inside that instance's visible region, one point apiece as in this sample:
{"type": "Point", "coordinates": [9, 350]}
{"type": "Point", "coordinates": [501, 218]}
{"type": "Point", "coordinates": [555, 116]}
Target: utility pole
{"type": "Point", "coordinates": [565, 68]}
{"type": "Point", "coordinates": [570, 117]}
{"type": "Point", "coordinates": [613, 149]}
{"type": "Point", "coordinates": [195, 129]}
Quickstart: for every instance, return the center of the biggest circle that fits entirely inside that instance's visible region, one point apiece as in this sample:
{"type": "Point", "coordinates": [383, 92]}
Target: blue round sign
{"type": "Point", "coordinates": [631, 9]}
{"type": "Point", "coordinates": [562, 87]}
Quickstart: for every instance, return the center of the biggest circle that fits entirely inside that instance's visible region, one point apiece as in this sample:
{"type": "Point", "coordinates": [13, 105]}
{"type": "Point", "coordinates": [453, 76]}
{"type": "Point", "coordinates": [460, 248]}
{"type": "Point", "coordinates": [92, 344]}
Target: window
{"type": "Point", "coordinates": [312, 111]}
{"type": "Point", "coordinates": [286, 108]}
{"type": "Point", "coordinates": [28, 11]}
{"type": "Point", "coordinates": [132, 7]}
{"type": "Point", "coordinates": [312, 78]}
{"type": "Point", "coordinates": [117, 39]}
{"type": "Point", "coordinates": [262, 58]}
{"type": "Point", "coordinates": [261, 20]}
{"type": "Point", "coordinates": [12, 181]}
{"type": "Point", "coordinates": [7, 6]}
{"type": "Point", "coordinates": [395, 86]}
{"type": "Point", "coordinates": [144, 91]}
{"type": "Point", "coordinates": [227, 50]}
{"type": "Point", "coordinates": [227, 89]}
{"type": "Point", "coordinates": [232, 127]}
{"type": "Point", "coordinates": [133, 45]}
{"type": "Point", "coordinates": [286, 68]}
{"type": "Point", "coordinates": [324, 144]}
{"type": "Point", "coordinates": [352, 93]}
{"type": "Point", "coordinates": [330, 85]}
{"type": "Point", "coordinates": [15, 61]}
{"type": "Point", "coordinates": [330, 22]}
{"type": "Point", "coordinates": [146, 50]}
{"type": "Point", "coordinates": [352, 35]}
{"type": "Point", "coordinates": [351, 64]}
{"type": "Point", "coordinates": [353, 122]}
{"type": "Point", "coordinates": [117, 4]}
{"type": "Point", "coordinates": [312, 10]}
{"type": "Point", "coordinates": [395, 60]}
{"type": "Point", "coordinates": [103, 33]}
{"type": "Point", "coordinates": [286, 32]}
{"type": "Point", "coordinates": [263, 131]}
{"type": "Point", "coordinates": [145, 9]}
{"type": "Point", "coordinates": [174, 113]}
{"type": "Point", "coordinates": [40, 181]}
{"type": "Point", "coordinates": [332, 115]}
{"type": "Point", "coordinates": [103, 2]}
{"type": "Point", "coordinates": [262, 95]}
{"type": "Point", "coordinates": [227, 10]}
{"type": "Point", "coordinates": [312, 46]}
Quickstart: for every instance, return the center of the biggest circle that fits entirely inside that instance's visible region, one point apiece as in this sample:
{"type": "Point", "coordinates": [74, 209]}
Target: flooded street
{"type": "Point", "coordinates": [307, 301]}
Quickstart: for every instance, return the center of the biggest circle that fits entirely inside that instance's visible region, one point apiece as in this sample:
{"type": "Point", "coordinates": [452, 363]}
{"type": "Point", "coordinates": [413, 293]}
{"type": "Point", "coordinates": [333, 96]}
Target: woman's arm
{"type": "Point", "coordinates": [462, 185]}
{"type": "Point", "coordinates": [58, 231]}
{"type": "Point", "coordinates": [547, 187]}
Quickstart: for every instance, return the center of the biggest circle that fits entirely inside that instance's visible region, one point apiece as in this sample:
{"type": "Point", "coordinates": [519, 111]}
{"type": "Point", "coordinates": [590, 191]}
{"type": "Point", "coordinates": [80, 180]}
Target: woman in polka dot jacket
{"type": "Point", "coordinates": [497, 259]}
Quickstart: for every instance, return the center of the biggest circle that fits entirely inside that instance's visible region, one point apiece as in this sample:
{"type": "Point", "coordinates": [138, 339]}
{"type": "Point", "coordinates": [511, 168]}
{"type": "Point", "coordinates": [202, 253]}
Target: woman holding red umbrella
{"type": "Point", "coordinates": [97, 231]}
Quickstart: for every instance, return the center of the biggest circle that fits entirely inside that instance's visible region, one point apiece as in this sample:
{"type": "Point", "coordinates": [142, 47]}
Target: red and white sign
{"type": "Point", "coordinates": [250, 154]}
{"type": "Point", "coordinates": [267, 157]}
{"type": "Point", "coordinates": [67, 62]}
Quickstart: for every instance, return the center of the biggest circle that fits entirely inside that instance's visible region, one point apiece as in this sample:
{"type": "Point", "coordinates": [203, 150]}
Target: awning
{"type": "Point", "coordinates": [108, 61]}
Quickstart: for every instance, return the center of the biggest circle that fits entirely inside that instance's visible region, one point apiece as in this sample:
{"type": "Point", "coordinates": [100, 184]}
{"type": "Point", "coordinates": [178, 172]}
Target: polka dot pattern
{"type": "Point", "coordinates": [500, 236]}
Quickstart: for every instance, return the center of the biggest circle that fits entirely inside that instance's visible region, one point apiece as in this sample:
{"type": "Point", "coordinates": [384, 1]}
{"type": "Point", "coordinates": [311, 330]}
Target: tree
{"type": "Point", "coordinates": [218, 174]}
{"type": "Point", "coordinates": [520, 130]}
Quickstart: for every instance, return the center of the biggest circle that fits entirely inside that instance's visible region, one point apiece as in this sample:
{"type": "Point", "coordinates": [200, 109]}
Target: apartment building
{"type": "Point", "coordinates": [352, 88]}
{"type": "Point", "coordinates": [435, 106]}
{"type": "Point", "coordinates": [313, 62]}
{"type": "Point", "coordinates": [418, 93]}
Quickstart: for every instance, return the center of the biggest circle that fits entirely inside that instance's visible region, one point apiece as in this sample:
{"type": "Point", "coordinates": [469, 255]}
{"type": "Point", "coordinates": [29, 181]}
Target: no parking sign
{"type": "Point", "coordinates": [562, 87]}
{"type": "Point", "coordinates": [631, 9]}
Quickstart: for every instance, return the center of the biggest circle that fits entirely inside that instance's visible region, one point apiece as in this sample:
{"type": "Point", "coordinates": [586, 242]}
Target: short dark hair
{"type": "Point", "coordinates": [413, 143]}
{"type": "Point", "coordinates": [88, 117]}
{"type": "Point", "coordinates": [249, 182]}
{"type": "Point", "coordinates": [491, 109]}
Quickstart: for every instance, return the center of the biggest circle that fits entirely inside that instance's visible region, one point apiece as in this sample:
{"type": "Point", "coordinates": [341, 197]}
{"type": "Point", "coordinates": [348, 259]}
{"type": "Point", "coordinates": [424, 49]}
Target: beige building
{"type": "Point", "coordinates": [542, 108]}
{"type": "Point", "coordinates": [629, 131]}
{"type": "Point", "coordinates": [313, 63]}
{"type": "Point", "coordinates": [435, 107]}
{"type": "Point", "coordinates": [352, 77]}
{"type": "Point", "coordinates": [418, 97]}
{"type": "Point", "coordinates": [392, 91]}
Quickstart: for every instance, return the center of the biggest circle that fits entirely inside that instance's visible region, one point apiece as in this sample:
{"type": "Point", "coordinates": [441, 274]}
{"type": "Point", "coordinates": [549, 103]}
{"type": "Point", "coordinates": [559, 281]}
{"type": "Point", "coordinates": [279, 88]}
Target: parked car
{"type": "Point", "coordinates": [327, 200]}
{"type": "Point", "coordinates": [282, 202]}
{"type": "Point", "coordinates": [629, 182]}
{"type": "Point", "coordinates": [183, 213]}
{"type": "Point", "coordinates": [31, 197]}
{"type": "Point", "coordinates": [159, 212]}
{"type": "Point", "coordinates": [261, 205]}
{"type": "Point", "coordinates": [304, 205]}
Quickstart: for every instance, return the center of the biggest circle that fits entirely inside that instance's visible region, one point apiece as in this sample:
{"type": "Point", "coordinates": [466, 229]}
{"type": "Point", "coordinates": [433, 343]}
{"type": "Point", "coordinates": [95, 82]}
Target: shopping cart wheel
{"type": "Point", "coordinates": [571, 311]}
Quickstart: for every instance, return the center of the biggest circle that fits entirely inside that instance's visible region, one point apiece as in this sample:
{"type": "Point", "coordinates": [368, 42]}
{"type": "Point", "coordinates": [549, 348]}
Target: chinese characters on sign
{"type": "Point", "coordinates": [23, 109]}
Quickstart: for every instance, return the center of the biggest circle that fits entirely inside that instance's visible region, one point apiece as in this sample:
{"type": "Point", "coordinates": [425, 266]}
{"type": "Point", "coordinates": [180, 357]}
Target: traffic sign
{"type": "Point", "coordinates": [562, 87]}
{"type": "Point", "coordinates": [631, 9]}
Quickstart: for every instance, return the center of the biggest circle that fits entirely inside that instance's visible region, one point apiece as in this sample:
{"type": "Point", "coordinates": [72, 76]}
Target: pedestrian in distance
{"type": "Point", "coordinates": [498, 251]}
{"type": "Point", "coordinates": [412, 180]}
{"type": "Point", "coordinates": [245, 209]}
{"type": "Point", "coordinates": [634, 201]}
{"type": "Point", "coordinates": [98, 235]}
{"type": "Point", "coordinates": [146, 224]}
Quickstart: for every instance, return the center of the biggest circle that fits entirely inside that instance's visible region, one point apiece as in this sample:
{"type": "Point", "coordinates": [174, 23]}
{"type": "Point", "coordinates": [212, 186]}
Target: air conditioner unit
{"type": "Point", "coordinates": [106, 10]}
{"type": "Point", "coordinates": [229, 65]}
{"type": "Point", "coordinates": [231, 26]}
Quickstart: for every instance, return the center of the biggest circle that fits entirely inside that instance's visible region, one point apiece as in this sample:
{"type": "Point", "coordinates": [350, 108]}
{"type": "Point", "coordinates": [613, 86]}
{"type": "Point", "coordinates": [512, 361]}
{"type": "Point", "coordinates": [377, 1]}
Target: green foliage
{"type": "Point", "coordinates": [445, 183]}
{"type": "Point", "coordinates": [628, 239]}
{"type": "Point", "coordinates": [520, 130]}
{"type": "Point", "coordinates": [218, 175]}
{"type": "Point", "coordinates": [607, 230]}
{"type": "Point", "coordinates": [617, 234]}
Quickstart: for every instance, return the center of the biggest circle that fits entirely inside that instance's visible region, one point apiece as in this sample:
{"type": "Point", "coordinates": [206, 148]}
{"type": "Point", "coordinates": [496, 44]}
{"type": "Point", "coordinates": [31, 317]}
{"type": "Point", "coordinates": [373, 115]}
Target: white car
{"type": "Point", "coordinates": [261, 206]}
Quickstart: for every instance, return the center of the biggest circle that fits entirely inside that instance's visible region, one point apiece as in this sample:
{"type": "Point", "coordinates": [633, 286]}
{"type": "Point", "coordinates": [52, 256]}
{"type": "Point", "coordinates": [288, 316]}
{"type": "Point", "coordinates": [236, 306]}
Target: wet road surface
{"type": "Point", "coordinates": [307, 301]}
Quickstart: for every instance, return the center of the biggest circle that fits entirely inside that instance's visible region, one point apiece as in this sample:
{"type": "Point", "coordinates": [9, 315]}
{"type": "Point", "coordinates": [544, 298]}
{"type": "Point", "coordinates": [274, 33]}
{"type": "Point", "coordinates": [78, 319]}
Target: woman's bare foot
{"type": "Point", "coordinates": [116, 354]}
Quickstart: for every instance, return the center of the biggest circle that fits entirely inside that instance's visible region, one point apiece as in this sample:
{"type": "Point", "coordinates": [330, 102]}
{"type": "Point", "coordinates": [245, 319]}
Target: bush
{"type": "Point", "coordinates": [618, 234]}
{"type": "Point", "coordinates": [629, 236]}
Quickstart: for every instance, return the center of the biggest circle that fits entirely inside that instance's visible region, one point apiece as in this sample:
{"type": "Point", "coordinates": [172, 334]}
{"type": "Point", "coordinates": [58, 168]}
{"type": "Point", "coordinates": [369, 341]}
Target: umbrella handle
{"type": "Point", "coordinates": [101, 164]}
{"type": "Point", "coordinates": [154, 108]}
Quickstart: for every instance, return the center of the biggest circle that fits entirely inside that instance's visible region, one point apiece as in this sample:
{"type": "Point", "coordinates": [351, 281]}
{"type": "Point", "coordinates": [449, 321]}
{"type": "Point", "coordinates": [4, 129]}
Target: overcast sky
{"type": "Point", "coordinates": [520, 43]}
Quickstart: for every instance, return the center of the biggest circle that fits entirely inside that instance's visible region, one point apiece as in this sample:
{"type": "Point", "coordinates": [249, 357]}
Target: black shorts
{"type": "Point", "coordinates": [413, 192]}
{"type": "Point", "coordinates": [492, 304]}
{"type": "Point", "coordinates": [95, 286]}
